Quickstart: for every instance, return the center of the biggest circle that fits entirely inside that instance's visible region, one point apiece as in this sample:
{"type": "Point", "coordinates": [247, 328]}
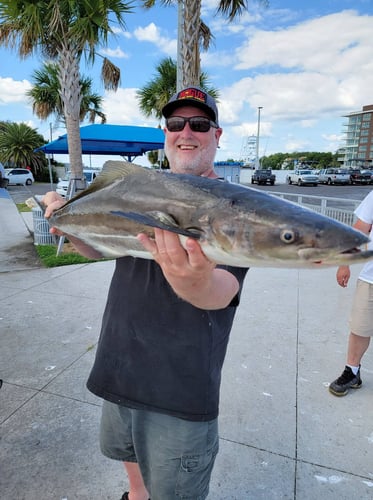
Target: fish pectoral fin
{"type": "Point", "coordinates": [157, 219]}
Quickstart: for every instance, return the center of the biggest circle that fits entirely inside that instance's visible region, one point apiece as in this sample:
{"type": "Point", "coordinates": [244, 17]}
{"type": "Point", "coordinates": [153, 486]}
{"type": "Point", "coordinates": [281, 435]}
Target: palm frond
{"type": "Point", "coordinates": [110, 75]}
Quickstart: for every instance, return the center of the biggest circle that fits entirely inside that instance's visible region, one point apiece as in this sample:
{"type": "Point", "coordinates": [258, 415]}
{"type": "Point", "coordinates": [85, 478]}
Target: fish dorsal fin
{"type": "Point", "coordinates": [118, 169]}
{"type": "Point", "coordinates": [114, 170]}
{"type": "Point", "coordinates": [111, 172]}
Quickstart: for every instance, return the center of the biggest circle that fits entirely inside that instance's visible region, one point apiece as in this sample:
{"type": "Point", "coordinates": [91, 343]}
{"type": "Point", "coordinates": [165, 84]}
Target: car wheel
{"type": "Point", "coordinates": [299, 182]}
{"type": "Point", "coordinates": [28, 182]}
{"type": "Point", "coordinates": [329, 182]}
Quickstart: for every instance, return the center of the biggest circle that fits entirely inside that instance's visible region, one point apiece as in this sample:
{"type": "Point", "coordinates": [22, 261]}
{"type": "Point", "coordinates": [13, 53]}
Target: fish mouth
{"type": "Point", "coordinates": [349, 256]}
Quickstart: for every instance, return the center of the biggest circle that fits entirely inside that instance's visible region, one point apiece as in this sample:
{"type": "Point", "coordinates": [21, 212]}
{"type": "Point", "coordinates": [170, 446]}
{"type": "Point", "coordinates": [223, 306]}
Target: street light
{"type": "Point", "coordinates": [257, 138]}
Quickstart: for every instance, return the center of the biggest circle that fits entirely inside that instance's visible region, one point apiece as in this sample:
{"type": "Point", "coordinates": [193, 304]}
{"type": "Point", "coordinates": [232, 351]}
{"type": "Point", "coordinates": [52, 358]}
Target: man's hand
{"type": "Point", "coordinates": [190, 273]}
{"type": "Point", "coordinates": [343, 275]}
{"type": "Point", "coordinates": [52, 201]}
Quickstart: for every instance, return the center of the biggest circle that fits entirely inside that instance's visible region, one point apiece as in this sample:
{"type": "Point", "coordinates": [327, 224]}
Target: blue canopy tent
{"type": "Point", "coordinates": [123, 140]}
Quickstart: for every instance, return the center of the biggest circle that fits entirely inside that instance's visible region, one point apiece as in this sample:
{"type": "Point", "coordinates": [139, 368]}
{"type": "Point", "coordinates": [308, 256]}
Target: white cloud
{"type": "Point", "coordinates": [219, 24]}
{"type": "Point", "coordinates": [331, 43]}
{"type": "Point", "coordinates": [307, 123]}
{"type": "Point", "coordinates": [118, 52]}
{"type": "Point", "coordinates": [314, 69]}
{"type": "Point", "coordinates": [293, 145]}
{"type": "Point", "coordinates": [122, 108]}
{"type": "Point", "coordinates": [121, 32]}
{"type": "Point", "coordinates": [152, 34]}
{"type": "Point", "coordinates": [13, 91]}
{"type": "Point", "coordinates": [215, 60]}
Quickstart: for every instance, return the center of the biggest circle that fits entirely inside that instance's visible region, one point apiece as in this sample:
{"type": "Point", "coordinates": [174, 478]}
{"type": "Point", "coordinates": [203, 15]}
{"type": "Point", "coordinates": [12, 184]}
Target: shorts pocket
{"type": "Point", "coordinates": [195, 473]}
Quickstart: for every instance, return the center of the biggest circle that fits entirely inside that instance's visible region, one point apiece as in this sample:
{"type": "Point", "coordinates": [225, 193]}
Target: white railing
{"type": "Point", "coordinates": [336, 208]}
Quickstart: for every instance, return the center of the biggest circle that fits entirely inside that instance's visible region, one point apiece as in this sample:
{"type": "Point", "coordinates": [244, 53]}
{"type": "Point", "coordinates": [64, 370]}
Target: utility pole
{"type": "Point", "coordinates": [257, 162]}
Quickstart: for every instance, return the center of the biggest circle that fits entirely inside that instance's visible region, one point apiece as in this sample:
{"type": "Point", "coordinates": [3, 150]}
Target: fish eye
{"type": "Point", "coordinates": [288, 236]}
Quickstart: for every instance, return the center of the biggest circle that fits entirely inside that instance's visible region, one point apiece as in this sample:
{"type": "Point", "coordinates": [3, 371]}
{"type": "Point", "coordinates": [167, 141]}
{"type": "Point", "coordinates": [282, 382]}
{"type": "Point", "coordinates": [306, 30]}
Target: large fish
{"type": "Point", "coordinates": [234, 224]}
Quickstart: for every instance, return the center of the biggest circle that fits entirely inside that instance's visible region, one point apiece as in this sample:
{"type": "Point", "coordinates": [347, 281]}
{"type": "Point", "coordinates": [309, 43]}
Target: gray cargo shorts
{"type": "Point", "coordinates": [175, 456]}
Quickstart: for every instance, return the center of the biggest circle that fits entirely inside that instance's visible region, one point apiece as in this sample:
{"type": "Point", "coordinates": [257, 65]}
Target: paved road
{"type": "Point", "coordinates": [346, 192]}
{"type": "Point", "coordinates": [21, 193]}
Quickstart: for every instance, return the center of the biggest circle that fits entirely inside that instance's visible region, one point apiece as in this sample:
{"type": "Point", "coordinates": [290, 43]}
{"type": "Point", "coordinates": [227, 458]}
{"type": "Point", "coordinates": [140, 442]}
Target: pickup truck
{"type": "Point", "coordinates": [303, 177]}
{"type": "Point", "coordinates": [263, 176]}
{"type": "Point", "coordinates": [359, 177]}
{"type": "Point", "coordinates": [334, 176]}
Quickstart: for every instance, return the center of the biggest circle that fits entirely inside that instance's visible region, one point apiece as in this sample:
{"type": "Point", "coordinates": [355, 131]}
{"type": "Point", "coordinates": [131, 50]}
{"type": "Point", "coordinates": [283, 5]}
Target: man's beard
{"type": "Point", "coordinates": [196, 165]}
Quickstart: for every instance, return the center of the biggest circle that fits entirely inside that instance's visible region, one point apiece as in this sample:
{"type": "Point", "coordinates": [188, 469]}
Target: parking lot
{"type": "Point", "coordinates": [351, 192]}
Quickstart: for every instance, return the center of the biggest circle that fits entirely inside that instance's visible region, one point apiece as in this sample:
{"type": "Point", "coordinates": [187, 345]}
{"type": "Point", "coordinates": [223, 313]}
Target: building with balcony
{"type": "Point", "coordinates": [357, 151]}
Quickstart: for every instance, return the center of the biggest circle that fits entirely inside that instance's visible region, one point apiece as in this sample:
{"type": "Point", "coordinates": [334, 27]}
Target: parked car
{"type": "Point", "coordinates": [302, 177]}
{"type": "Point", "coordinates": [360, 176]}
{"type": "Point", "coordinates": [20, 176]}
{"type": "Point", "coordinates": [370, 172]}
{"type": "Point", "coordinates": [334, 176]}
{"type": "Point", "coordinates": [63, 184]}
{"type": "Point", "coordinates": [263, 176]}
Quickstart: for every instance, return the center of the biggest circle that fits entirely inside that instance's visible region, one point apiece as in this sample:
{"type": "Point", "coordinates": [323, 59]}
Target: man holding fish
{"type": "Point", "coordinates": [183, 244]}
{"type": "Point", "coordinates": [164, 334]}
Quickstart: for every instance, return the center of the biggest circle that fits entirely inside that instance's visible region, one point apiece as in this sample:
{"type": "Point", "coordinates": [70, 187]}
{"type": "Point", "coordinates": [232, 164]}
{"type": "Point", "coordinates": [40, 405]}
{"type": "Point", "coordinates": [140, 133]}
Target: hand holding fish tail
{"type": "Point", "coordinates": [191, 275]}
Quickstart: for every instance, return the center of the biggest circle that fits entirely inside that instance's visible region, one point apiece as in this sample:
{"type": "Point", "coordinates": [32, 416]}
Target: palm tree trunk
{"type": "Point", "coordinates": [180, 37]}
{"type": "Point", "coordinates": [190, 43]}
{"type": "Point", "coordinates": [69, 77]}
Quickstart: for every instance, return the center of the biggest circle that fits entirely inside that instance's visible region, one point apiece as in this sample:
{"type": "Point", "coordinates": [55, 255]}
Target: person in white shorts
{"type": "Point", "coordinates": [361, 320]}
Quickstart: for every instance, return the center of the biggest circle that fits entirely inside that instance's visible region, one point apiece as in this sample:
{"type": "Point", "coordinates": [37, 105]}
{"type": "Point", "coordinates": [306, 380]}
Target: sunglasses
{"type": "Point", "coordinates": [196, 123]}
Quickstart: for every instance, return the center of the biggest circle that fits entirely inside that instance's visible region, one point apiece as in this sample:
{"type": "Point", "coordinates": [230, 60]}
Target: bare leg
{"type": "Point", "coordinates": [357, 346]}
{"type": "Point", "coordinates": [137, 487]}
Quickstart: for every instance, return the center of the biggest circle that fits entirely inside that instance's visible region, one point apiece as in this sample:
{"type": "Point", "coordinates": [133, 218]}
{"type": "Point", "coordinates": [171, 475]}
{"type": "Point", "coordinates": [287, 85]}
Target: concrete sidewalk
{"type": "Point", "coordinates": [283, 436]}
{"type": "Point", "coordinates": [17, 250]}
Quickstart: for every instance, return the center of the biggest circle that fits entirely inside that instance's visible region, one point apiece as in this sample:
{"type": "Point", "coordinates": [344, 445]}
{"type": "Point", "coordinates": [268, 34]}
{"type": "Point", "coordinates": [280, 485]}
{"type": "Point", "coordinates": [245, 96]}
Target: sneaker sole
{"type": "Point", "coordinates": [344, 393]}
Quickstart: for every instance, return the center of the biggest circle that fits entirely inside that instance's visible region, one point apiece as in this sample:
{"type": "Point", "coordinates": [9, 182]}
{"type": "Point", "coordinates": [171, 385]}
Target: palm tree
{"type": "Point", "coordinates": [64, 30]}
{"type": "Point", "coordinates": [157, 92]}
{"type": "Point", "coordinates": [46, 100]}
{"type": "Point", "coordinates": [18, 142]}
{"type": "Point", "coordinates": [193, 32]}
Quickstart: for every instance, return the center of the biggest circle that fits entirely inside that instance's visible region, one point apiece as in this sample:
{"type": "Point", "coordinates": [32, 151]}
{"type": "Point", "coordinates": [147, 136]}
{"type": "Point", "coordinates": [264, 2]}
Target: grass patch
{"type": "Point", "coordinates": [49, 258]}
{"type": "Point", "coordinates": [22, 207]}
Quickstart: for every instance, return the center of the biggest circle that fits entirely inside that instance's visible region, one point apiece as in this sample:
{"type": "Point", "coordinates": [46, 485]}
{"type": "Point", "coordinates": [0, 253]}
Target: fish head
{"type": "Point", "coordinates": [273, 232]}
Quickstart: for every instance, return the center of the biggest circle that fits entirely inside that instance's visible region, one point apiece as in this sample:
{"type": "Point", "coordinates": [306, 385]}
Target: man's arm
{"type": "Point", "coordinates": [343, 272]}
{"type": "Point", "coordinates": [190, 274]}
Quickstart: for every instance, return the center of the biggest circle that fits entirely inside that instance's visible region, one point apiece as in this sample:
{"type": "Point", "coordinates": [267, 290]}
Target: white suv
{"type": "Point", "coordinates": [63, 184]}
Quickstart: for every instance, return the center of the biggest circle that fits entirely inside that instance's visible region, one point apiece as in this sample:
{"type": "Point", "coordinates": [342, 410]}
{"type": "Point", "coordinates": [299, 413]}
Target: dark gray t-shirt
{"type": "Point", "coordinates": [156, 351]}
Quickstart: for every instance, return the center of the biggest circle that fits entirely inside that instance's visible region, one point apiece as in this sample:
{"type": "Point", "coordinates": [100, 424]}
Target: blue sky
{"type": "Point", "coordinates": [305, 63]}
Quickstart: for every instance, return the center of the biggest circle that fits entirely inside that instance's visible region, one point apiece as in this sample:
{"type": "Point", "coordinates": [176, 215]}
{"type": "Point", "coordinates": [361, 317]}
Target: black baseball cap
{"type": "Point", "coordinates": [192, 96]}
